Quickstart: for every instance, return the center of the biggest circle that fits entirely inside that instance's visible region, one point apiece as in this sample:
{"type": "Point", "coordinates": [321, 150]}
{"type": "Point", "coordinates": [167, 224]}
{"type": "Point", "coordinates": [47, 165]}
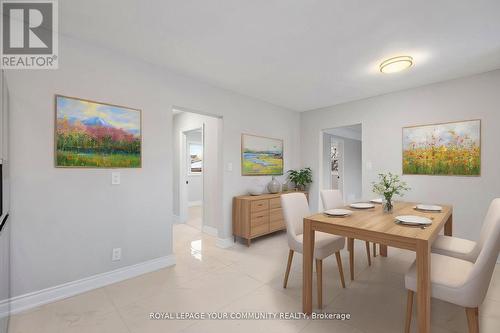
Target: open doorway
{"type": "Point", "coordinates": [197, 194]}
{"type": "Point", "coordinates": [193, 173]}
{"type": "Point", "coordinates": [342, 161]}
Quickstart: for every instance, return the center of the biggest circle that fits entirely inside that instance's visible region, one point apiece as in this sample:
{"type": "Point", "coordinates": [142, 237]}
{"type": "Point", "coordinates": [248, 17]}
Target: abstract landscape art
{"type": "Point", "coordinates": [443, 149]}
{"type": "Point", "coordinates": [90, 134]}
{"type": "Point", "coordinates": [261, 156]}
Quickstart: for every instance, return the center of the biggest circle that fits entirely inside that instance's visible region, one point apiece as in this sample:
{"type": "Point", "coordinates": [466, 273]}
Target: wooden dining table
{"type": "Point", "coordinates": [375, 225]}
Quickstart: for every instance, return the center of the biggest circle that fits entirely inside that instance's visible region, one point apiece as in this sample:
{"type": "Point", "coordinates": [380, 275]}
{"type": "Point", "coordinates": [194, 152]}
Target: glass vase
{"type": "Point", "coordinates": [387, 204]}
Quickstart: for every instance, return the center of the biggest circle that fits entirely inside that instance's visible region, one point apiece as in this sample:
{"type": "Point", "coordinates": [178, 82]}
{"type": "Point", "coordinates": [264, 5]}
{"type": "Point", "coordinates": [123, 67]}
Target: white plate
{"type": "Point", "coordinates": [431, 208]}
{"type": "Point", "coordinates": [338, 212]}
{"type": "Point", "coordinates": [413, 220]}
{"type": "Point", "coordinates": [377, 201]}
{"type": "Point", "coordinates": [362, 205]}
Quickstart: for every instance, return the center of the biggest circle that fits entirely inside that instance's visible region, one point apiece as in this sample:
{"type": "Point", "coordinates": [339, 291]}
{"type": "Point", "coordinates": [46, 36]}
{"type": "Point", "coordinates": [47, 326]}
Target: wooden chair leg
{"type": "Point", "coordinates": [341, 269]}
{"type": "Point", "coordinates": [368, 253]}
{"type": "Point", "coordinates": [350, 247]}
{"type": "Point", "coordinates": [473, 319]}
{"type": "Point", "coordinates": [374, 250]}
{"type": "Point", "coordinates": [290, 257]}
{"type": "Point", "coordinates": [409, 310]}
{"type": "Point", "coordinates": [319, 275]}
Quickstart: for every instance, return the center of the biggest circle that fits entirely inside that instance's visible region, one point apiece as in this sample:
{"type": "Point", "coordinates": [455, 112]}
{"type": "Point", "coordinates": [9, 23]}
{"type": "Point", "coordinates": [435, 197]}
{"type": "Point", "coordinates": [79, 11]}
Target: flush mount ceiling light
{"type": "Point", "coordinates": [396, 64]}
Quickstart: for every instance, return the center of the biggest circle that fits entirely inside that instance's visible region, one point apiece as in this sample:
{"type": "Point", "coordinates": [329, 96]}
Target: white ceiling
{"type": "Point", "coordinates": [300, 54]}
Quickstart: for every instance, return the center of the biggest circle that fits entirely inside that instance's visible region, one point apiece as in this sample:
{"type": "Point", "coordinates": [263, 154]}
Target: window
{"type": "Point", "coordinates": [195, 153]}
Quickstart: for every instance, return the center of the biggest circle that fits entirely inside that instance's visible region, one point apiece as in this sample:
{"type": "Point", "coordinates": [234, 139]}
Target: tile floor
{"type": "Point", "coordinates": [195, 217]}
{"type": "Point", "coordinates": [207, 278]}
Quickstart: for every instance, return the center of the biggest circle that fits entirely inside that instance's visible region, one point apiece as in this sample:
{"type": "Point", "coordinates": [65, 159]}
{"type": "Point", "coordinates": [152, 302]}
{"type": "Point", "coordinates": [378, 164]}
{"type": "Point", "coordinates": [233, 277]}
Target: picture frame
{"type": "Point", "coordinates": [261, 156]}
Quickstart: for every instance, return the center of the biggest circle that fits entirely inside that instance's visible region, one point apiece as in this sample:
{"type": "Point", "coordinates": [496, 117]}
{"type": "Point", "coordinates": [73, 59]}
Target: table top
{"type": "Point", "coordinates": [375, 225]}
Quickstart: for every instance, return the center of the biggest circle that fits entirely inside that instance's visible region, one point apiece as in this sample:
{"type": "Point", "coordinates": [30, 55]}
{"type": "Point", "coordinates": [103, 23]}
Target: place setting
{"type": "Point", "coordinates": [338, 212]}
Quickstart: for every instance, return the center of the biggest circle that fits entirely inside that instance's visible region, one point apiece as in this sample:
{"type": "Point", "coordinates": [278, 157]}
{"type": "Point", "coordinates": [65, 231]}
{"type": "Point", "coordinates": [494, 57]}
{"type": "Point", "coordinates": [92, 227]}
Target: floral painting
{"type": "Point", "coordinates": [261, 156]}
{"type": "Point", "coordinates": [96, 135]}
{"type": "Point", "coordinates": [443, 149]}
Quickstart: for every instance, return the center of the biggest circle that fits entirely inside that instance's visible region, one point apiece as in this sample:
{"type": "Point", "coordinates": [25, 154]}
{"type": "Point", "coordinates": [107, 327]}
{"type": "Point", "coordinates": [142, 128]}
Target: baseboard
{"type": "Point", "coordinates": [210, 230]}
{"type": "Point", "coordinates": [31, 300]}
{"type": "Point", "coordinates": [224, 243]}
{"type": "Point", "coordinates": [195, 203]}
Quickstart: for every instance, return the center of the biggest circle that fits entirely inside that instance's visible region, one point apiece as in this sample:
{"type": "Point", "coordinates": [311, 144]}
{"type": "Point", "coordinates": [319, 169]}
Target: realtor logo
{"type": "Point", "coordinates": [29, 34]}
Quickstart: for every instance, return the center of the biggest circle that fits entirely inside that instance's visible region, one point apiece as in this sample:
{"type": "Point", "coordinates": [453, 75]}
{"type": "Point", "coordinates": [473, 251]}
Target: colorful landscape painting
{"type": "Point", "coordinates": [443, 149]}
{"type": "Point", "coordinates": [96, 135]}
{"type": "Point", "coordinates": [261, 156]}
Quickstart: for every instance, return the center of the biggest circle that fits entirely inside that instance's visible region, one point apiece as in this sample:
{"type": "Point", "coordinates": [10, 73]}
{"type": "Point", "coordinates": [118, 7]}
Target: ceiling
{"type": "Point", "coordinates": [299, 54]}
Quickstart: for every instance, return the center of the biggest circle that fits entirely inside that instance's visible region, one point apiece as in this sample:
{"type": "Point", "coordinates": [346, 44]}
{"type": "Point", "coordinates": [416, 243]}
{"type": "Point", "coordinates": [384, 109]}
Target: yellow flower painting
{"type": "Point", "coordinates": [443, 149]}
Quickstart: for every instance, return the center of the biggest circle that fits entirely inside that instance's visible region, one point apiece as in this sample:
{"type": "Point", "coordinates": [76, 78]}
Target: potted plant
{"type": "Point", "coordinates": [389, 185]}
{"type": "Point", "coordinates": [301, 178]}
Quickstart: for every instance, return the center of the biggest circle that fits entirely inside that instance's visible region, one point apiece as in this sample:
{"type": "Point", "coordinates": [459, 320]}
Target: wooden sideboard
{"type": "Point", "coordinates": [257, 215]}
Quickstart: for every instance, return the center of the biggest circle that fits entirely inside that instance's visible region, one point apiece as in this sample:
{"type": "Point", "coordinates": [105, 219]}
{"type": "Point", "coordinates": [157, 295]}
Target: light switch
{"type": "Point", "coordinates": [115, 178]}
{"type": "Point", "coordinates": [230, 166]}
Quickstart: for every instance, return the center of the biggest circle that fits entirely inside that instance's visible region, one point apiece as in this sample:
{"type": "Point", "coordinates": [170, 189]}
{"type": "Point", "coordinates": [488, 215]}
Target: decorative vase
{"type": "Point", "coordinates": [274, 186]}
{"type": "Point", "coordinates": [387, 205]}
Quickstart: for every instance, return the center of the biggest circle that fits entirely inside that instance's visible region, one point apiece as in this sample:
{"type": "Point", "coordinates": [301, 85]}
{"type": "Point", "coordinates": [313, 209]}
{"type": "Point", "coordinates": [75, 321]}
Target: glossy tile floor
{"type": "Point", "coordinates": [195, 217]}
{"type": "Point", "coordinates": [207, 278]}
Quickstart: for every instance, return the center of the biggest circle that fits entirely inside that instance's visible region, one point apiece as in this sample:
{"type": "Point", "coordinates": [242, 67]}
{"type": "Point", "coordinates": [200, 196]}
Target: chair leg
{"type": "Point", "coordinates": [319, 274]}
{"type": "Point", "coordinates": [409, 310]}
{"type": "Point", "coordinates": [350, 248]}
{"type": "Point", "coordinates": [290, 257]}
{"type": "Point", "coordinates": [341, 269]}
{"type": "Point", "coordinates": [473, 319]}
{"type": "Point", "coordinates": [374, 250]}
{"type": "Point", "coordinates": [368, 253]}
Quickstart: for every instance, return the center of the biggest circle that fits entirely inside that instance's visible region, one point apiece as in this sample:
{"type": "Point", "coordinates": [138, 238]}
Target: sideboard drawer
{"type": "Point", "coordinates": [276, 214]}
{"type": "Point", "coordinates": [259, 230]}
{"type": "Point", "coordinates": [275, 203]}
{"type": "Point", "coordinates": [259, 205]}
{"type": "Point", "coordinates": [277, 225]}
{"type": "Point", "coordinates": [259, 218]}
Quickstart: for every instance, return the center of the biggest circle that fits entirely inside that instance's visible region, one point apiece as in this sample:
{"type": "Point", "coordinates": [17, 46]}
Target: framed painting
{"type": "Point", "coordinates": [91, 134]}
{"type": "Point", "coordinates": [261, 156]}
{"type": "Point", "coordinates": [448, 149]}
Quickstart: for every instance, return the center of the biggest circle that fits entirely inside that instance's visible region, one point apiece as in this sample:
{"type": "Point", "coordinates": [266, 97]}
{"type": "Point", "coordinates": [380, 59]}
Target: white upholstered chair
{"type": "Point", "coordinates": [462, 282]}
{"type": "Point", "coordinates": [333, 199]}
{"type": "Point", "coordinates": [295, 209]}
{"type": "Point", "coordinates": [463, 248]}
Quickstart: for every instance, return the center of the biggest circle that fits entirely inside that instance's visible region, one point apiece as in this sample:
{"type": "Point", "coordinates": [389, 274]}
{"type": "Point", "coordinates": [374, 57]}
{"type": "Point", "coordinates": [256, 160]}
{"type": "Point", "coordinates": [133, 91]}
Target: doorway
{"type": "Point", "coordinates": [193, 175]}
{"type": "Point", "coordinates": [197, 172]}
{"type": "Point", "coordinates": [342, 161]}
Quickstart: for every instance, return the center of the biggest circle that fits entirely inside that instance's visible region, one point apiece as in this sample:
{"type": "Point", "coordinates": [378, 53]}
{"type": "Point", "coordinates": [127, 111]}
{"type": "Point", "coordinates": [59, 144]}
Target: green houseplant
{"type": "Point", "coordinates": [389, 185]}
{"type": "Point", "coordinates": [301, 178]}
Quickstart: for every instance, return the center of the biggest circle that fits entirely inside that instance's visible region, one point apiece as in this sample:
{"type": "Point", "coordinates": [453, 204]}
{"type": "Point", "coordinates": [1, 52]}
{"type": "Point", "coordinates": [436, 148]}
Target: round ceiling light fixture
{"type": "Point", "coordinates": [396, 64]}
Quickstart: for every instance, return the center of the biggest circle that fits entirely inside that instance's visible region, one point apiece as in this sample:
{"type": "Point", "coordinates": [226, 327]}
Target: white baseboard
{"type": "Point", "coordinates": [31, 300]}
{"type": "Point", "coordinates": [195, 203]}
{"type": "Point", "coordinates": [224, 243]}
{"type": "Point", "coordinates": [210, 230]}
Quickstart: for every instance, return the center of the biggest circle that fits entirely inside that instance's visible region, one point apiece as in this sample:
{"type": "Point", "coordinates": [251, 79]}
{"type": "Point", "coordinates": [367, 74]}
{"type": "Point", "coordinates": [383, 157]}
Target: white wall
{"type": "Point", "coordinates": [384, 116]}
{"type": "Point", "coordinates": [66, 221]}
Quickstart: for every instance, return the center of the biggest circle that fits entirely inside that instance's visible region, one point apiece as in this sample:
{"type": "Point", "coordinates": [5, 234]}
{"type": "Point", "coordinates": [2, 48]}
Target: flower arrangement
{"type": "Point", "coordinates": [389, 185]}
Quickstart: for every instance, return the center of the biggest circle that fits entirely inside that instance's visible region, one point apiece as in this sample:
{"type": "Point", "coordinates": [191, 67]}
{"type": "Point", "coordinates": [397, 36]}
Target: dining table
{"type": "Point", "coordinates": [376, 225]}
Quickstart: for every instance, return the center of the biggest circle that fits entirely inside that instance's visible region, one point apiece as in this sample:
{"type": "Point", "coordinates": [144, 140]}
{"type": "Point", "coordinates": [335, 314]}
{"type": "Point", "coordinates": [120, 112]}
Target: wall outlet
{"type": "Point", "coordinates": [117, 254]}
{"type": "Point", "coordinates": [230, 167]}
{"type": "Point", "coordinates": [115, 178]}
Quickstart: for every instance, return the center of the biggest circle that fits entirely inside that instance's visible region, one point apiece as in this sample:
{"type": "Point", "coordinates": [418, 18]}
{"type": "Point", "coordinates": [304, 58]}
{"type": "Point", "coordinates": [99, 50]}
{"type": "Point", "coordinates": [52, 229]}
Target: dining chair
{"type": "Point", "coordinates": [459, 281]}
{"type": "Point", "coordinates": [333, 199]}
{"type": "Point", "coordinates": [463, 248]}
{"type": "Point", "coordinates": [295, 209]}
